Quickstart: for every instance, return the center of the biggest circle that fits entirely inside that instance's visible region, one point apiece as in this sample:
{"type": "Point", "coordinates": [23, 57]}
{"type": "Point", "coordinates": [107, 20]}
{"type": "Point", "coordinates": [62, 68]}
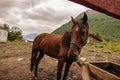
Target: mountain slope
{"type": "Point", "coordinates": [30, 36]}
{"type": "Point", "coordinates": [100, 24]}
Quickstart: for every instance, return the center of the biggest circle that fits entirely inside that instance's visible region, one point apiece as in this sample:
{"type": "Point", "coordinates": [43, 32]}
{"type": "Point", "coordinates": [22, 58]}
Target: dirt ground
{"type": "Point", "coordinates": [15, 63]}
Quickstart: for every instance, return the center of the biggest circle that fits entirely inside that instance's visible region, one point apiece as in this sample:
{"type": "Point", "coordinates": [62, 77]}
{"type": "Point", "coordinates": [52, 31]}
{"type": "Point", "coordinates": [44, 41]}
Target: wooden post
{"type": "Point", "coordinates": [85, 72]}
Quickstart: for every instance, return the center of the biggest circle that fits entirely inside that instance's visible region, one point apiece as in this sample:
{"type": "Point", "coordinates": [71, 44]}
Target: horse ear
{"type": "Point", "coordinates": [85, 18]}
{"type": "Point", "coordinates": [73, 20]}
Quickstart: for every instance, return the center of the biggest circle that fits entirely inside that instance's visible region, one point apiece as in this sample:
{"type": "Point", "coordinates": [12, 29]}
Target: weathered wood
{"type": "Point", "coordinates": [109, 7]}
{"type": "Point", "coordinates": [79, 64]}
{"type": "Point", "coordinates": [109, 67]}
{"type": "Point", "coordinates": [100, 71]}
{"type": "Point", "coordinates": [102, 74]}
{"type": "Point", "coordinates": [85, 72]}
{"type": "Point", "coordinates": [101, 64]}
{"type": "Point", "coordinates": [116, 67]}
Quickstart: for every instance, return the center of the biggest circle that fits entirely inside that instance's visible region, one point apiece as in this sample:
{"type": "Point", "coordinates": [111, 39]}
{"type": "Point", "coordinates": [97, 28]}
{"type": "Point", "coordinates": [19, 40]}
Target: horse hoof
{"type": "Point", "coordinates": [31, 75]}
{"type": "Point", "coordinates": [35, 78]}
{"type": "Point", "coordinates": [30, 79]}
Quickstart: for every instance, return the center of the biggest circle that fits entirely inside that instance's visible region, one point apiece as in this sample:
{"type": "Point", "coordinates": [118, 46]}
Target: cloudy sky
{"type": "Point", "coordinates": [38, 16]}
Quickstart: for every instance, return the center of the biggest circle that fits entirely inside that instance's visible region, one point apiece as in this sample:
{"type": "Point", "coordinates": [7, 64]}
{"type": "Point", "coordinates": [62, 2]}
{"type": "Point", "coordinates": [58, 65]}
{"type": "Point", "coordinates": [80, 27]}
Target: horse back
{"type": "Point", "coordinates": [51, 44]}
{"type": "Point", "coordinates": [38, 39]}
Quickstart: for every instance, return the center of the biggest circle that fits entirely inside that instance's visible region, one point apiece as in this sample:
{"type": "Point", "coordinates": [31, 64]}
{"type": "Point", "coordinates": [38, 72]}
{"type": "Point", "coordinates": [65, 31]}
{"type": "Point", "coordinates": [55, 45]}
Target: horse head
{"type": "Point", "coordinates": [79, 36]}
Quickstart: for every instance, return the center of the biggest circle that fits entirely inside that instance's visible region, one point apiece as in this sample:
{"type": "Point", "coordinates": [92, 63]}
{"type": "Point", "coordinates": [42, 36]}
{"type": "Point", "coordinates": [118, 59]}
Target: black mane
{"type": "Point", "coordinates": [66, 39]}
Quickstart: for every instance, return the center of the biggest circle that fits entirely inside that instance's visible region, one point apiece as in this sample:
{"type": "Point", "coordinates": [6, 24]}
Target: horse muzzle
{"type": "Point", "coordinates": [73, 56]}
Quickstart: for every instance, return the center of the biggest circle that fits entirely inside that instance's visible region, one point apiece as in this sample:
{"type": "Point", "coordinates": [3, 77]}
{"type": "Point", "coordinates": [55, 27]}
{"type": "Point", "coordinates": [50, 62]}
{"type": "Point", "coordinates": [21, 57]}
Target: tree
{"type": "Point", "coordinates": [98, 35]}
{"type": "Point", "coordinates": [6, 26]}
{"type": "Point", "coordinates": [15, 33]}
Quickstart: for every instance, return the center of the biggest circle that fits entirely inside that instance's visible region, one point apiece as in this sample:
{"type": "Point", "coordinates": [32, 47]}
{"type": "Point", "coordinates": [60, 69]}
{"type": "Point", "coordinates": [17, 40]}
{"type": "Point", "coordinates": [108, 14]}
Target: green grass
{"type": "Point", "coordinates": [14, 48]}
{"type": "Point", "coordinates": [98, 55]}
{"type": "Point", "coordinates": [104, 47]}
{"type": "Point", "coordinates": [108, 52]}
{"type": "Point", "coordinates": [106, 26]}
{"type": "Point", "coordinates": [4, 61]}
{"type": "Point", "coordinates": [91, 50]}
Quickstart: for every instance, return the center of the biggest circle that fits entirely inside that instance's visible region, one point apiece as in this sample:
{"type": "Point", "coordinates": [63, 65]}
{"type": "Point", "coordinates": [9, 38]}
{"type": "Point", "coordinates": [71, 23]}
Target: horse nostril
{"type": "Point", "coordinates": [74, 55]}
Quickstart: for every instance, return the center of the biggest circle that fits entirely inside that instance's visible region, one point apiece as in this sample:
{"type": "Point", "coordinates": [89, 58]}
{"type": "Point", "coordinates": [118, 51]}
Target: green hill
{"type": "Point", "coordinates": [100, 24]}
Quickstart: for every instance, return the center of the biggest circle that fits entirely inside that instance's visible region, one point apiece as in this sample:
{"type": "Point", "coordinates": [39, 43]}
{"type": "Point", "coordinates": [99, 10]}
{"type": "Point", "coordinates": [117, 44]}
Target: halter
{"type": "Point", "coordinates": [77, 45]}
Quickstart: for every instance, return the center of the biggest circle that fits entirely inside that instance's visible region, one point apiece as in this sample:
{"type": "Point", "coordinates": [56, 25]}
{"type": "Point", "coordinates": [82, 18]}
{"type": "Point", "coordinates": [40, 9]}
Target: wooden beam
{"type": "Point", "coordinates": [85, 72]}
{"type": "Point", "coordinates": [102, 74]}
{"type": "Point", "coordinates": [109, 7]}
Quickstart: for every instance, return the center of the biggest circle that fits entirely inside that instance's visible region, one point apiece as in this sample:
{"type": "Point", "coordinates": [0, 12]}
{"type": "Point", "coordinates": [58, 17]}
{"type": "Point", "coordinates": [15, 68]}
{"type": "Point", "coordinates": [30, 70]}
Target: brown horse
{"type": "Point", "coordinates": [66, 47]}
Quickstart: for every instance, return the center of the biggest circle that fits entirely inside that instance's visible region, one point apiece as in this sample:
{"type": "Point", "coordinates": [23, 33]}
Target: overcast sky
{"type": "Point", "coordinates": [38, 16]}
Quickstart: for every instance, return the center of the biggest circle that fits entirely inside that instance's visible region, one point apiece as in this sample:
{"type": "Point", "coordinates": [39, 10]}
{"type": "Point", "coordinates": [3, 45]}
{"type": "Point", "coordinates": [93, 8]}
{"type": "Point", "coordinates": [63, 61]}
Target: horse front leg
{"type": "Point", "coordinates": [67, 67]}
{"type": "Point", "coordinates": [60, 66]}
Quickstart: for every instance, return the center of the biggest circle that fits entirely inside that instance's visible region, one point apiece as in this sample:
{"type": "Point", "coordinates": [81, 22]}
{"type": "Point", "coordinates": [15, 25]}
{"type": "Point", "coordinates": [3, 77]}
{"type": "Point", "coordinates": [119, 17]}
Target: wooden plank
{"type": "Point", "coordinates": [85, 72]}
{"type": "Point", "coordinates": [79, 64]}
{"type": "Point", "coordinates": [101, 64]}
{"type": "Point", "coordinates": [116, 67]}
{"type": "Point", "coordinates": [102, 74]}
{"type": "Point", "coordinates": [109, 67]}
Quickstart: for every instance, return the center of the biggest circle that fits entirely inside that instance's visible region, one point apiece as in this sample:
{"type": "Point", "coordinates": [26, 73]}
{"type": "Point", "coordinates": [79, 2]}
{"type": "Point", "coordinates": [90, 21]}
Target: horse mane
{"type": "Point", "coordinates": [66, 39]}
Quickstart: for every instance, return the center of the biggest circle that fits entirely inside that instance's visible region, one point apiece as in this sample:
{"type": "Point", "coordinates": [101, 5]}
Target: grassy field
{"type": "Point", "coordinates": [15, 63]}
{"type": "Point", "coordinates": [15, 60]}
{"type": "Point", "coordinates": [104, 51]}
{"type": "Point", "coordinates": [97, 50]}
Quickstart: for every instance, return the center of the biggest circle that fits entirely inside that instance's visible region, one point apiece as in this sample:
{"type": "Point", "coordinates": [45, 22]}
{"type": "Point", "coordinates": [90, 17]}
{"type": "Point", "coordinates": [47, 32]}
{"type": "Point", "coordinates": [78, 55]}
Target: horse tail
{"type": "Point", "coordinates": [33, 57]}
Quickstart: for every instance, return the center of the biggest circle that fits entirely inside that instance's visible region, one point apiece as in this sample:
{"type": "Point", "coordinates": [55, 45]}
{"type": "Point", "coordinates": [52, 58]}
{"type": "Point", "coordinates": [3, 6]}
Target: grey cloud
{"type": "Point", "coordinates": [3, 14]}
{"type": "Point", "coordinates": [38, 29]}
{"type": "Point", "coordinates": [36, 15]}
{"type": "Point", "coordinates": [22, 4]}
{"type": "Point", "coordinates": [47, 15]}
